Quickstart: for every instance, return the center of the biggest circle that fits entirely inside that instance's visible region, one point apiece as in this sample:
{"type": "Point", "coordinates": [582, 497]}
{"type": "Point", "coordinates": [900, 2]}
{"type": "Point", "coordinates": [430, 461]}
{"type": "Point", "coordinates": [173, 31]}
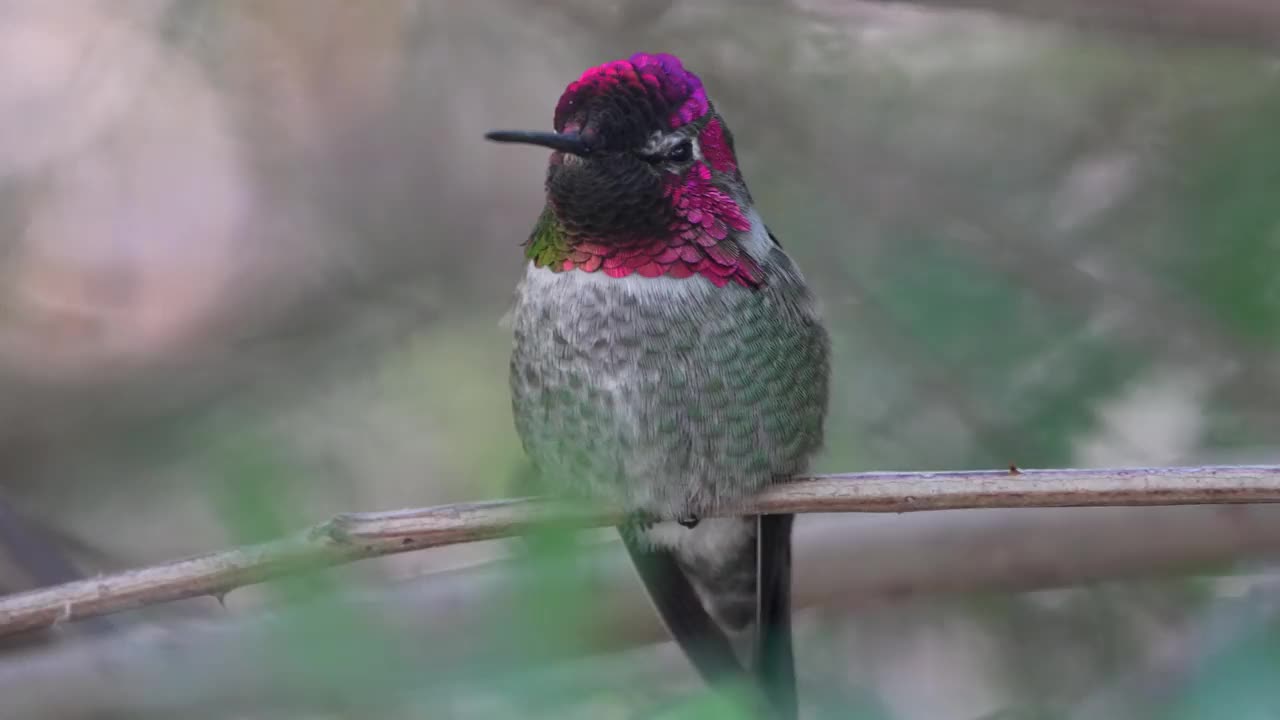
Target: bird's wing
{"type": "Point", "coordinates": [773, 237]}
{"type": "Point", "coordinates": [689, 623]}
{"type": "Point", "coordinates": [761, 570]}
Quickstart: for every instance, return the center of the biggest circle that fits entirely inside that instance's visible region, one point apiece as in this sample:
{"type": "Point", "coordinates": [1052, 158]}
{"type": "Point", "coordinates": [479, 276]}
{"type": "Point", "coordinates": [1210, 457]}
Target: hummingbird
{"type": "Point", "coordinates": [669, 359]}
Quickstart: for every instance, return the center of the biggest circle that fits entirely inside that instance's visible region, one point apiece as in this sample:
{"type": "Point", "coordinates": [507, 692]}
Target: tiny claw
{"type": "Point", "coordinates": [641, 521]}
{"type": "Point", "coordinates": [221, 597]}
{"type": "Point", "coordinates": [1013, 469]}
{"type": "Point", "coordinates": [690, 522]}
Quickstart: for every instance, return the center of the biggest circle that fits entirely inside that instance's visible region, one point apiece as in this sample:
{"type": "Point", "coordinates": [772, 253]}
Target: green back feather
{"type": "Point", "coordinates": [548, 244]}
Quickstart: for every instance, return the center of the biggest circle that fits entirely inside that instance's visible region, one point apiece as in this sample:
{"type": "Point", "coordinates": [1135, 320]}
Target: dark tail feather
{"type": "Point", "coordinates": [682, 612]}
{"type": "Point", "coordinates": [701, 596]}
{"type": "Point", "coordinates": [774, 661]}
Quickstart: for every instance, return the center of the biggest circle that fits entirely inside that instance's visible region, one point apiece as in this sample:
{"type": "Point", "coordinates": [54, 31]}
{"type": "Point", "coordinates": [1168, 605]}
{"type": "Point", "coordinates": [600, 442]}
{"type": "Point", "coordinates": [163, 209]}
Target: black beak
{"type": "Point", "coordinates": [564, 142]}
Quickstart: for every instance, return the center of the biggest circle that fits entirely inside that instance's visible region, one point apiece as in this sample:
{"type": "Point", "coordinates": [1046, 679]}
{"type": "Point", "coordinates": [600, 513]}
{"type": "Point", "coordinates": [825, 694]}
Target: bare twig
{"type": "Point", "coordinates": [459, 619]}
{"type": "Point", "coordinates": [41, 559]}
{"type": "Point", "coordinates": [353, 536]}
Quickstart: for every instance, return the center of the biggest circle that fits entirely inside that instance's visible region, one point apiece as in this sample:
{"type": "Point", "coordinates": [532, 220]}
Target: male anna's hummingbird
{"type": "Point", "coordinates": [669, 358]}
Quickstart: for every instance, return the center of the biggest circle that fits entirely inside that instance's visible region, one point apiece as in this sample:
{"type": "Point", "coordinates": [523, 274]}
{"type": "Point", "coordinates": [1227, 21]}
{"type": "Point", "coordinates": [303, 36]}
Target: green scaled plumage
{"type": "Point", "coordinates": [548, 243]}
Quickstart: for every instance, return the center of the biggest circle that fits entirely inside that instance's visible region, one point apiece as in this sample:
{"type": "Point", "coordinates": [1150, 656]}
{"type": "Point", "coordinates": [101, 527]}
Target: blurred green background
{"type": "Point", "coordinates": [255, 255]}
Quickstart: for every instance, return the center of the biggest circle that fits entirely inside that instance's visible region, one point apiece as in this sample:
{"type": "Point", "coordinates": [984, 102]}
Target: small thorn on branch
{"type": "Point", "coordinates": [352, 536]}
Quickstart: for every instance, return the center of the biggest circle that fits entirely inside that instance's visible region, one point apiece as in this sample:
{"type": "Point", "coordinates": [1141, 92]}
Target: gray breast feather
{"type": "Point", "coordinates": [667, 396]}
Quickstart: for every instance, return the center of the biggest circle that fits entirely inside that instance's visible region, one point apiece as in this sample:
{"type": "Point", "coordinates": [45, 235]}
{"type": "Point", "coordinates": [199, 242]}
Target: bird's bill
{"type": "Point", "coordinates": [564, 142]}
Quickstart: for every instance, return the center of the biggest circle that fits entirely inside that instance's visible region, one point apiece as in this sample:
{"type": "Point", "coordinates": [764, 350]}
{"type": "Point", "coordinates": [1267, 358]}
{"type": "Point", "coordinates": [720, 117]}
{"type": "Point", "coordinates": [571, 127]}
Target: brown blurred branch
{"type": "Point", "coordinates": [41, 559]}
{"type": "Point", "coordinates": [354, 536]}
{"type": "Point", "coordinates": [449, 622]}
{"type": "Point", "coordinates": [1253, 23]}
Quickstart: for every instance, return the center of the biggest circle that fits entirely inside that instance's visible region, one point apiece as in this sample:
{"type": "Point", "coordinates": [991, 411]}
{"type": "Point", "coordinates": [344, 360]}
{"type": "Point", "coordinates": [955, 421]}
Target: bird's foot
{"type": "Point", "coordinates": [645, 521]}
{"type": "Point", "coordinates": [640, 521]}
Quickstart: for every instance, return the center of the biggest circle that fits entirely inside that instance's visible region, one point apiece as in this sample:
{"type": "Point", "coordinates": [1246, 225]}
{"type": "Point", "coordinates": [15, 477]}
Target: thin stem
{"type": "Point", "coordinates": [353, 536]}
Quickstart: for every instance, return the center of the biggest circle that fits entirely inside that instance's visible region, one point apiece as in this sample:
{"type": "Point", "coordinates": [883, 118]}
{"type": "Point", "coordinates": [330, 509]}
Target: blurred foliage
{"type": "Point", "coordinates": [1033, 245]}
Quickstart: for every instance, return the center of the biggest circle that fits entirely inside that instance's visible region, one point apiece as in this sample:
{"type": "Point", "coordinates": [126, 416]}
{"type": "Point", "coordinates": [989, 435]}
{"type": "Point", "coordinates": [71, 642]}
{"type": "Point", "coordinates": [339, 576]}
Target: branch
{"type": "Point", "coordinates": [353, 536]}
{"type": "Point", "coordinates": [447, 624]}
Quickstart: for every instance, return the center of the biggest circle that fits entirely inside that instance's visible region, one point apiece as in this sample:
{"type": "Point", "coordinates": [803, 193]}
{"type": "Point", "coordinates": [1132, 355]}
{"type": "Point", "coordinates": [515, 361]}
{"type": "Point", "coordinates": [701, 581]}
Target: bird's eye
{"type": "Point", "coordinates": [681, 152]}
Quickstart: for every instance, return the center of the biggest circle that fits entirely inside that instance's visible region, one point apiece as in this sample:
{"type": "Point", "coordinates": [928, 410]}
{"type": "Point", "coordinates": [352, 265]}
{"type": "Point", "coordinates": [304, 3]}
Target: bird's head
{"type": "Point", "coordinates": [643, 177]}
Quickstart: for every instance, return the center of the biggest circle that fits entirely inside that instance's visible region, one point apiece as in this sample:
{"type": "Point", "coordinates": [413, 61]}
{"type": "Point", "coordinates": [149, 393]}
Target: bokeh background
{"type": "Point", "coordinates": [254, 255]}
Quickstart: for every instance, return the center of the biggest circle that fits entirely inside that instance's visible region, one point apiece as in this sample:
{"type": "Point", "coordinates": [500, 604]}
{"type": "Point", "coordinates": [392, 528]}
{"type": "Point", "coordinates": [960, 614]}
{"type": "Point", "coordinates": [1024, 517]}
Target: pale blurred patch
{"type": "Point", "coordinates": [71, 69]}
{"type": "Point", "coordinates": [136, 195]}
{"type": "Point", "coordinates": [931, 662]}
{"type": "Point", "coordinates": [1157, 420]}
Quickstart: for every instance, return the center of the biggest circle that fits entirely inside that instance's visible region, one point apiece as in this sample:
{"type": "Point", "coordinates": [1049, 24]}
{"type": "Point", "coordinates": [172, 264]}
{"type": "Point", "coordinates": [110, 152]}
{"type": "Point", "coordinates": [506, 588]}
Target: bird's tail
{"type": "Point", "coordinates": [774, 659]}
{"type": "Point", "coordinates": [716, 582]}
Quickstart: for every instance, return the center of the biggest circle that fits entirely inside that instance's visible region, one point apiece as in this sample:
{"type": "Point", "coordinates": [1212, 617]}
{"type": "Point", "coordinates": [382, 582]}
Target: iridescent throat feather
{"type": "Point", "coordinates": [622, 210]}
